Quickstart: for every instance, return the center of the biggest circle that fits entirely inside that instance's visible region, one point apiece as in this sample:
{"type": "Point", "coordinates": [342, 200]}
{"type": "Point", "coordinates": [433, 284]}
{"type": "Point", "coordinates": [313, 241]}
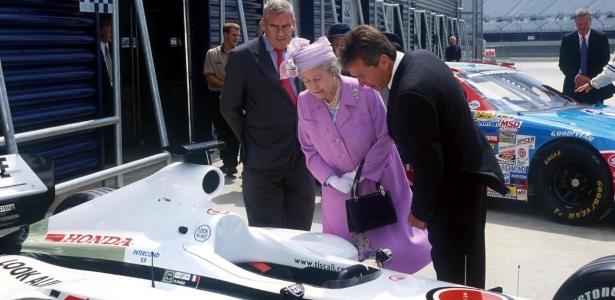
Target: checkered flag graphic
{"type": "Point", "coordinates": [96, 6]}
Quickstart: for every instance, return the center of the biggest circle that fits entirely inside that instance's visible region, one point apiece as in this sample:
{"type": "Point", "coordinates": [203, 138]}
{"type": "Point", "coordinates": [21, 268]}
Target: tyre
{"type": "Point", "coordinates": [80, 198]}
{"type": "Point", "coordinates": [572, 183]}
{"type": "Point", "coordinates": [595, 280]}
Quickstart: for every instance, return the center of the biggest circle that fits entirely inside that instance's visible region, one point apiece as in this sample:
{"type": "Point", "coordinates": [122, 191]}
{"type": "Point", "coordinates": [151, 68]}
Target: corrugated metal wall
{"type": "Point", "coordinates": [329, 18]}
{"type": "Point", "coordinates": [253, 10]}
{"type": "Point", "coordinates": [443, 7]}
{"type": "Point", "coordinates": [49, 56]}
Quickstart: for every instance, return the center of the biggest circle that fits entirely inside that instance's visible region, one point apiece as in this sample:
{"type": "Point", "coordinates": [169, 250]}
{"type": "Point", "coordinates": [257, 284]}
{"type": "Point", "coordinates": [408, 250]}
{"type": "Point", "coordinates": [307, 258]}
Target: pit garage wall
{"type": "Point", "coordinates": [51, 64]}
{"type": "Point", "coordinates": [312, 15]}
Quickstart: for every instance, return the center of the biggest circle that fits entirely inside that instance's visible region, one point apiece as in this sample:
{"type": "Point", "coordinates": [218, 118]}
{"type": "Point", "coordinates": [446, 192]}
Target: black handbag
{"type": "Point", "coordinates": [369, 211]}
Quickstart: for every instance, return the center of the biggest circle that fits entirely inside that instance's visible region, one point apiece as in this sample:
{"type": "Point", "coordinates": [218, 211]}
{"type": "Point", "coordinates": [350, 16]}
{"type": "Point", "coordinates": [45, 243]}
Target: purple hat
{"type": "Point", "coordinates": [302, 56]}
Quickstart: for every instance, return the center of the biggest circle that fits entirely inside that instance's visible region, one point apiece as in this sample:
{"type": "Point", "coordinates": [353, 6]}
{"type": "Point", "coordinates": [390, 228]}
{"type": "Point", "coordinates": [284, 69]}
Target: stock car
{"type": "Point", "coordinates": [162, 238]}
{"type": "Point", "coordinates": [552, 150]}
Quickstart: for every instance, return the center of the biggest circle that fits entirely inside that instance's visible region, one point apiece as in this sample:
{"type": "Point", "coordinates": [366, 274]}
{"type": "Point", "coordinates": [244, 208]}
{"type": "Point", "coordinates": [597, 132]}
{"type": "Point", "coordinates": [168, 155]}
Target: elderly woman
{"type": "Point", "coordinates": [340, 125]}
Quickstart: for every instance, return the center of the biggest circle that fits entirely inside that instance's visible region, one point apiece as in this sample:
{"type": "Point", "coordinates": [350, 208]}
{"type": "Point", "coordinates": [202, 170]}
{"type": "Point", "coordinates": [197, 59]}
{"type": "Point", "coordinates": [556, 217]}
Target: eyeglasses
{"type": "Point", "coordinates": [283, 28]}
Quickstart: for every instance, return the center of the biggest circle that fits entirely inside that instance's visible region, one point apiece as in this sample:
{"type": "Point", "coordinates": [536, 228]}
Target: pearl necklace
{"type": "Point", "coordinates": [333, 104]}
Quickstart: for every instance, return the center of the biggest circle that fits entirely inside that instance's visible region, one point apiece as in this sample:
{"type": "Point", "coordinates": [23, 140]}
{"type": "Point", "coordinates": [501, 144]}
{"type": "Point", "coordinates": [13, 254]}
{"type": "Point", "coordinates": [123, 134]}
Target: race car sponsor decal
{"type": "Point", "coordinates": [397, 277]}
{"type": "Point", "coordinates": [517, 178]}
{"type": "Point", "coordinates": [506, 157]}
{"type": "Point", "coordinates": [521, 194]}
{"type": "Point", "coordinates": [611, 161]}
{"type": "Point", "coordinates": [510, 124]}
{"type": "Point", "coordinates": [317, 264]}
{"type": "Point", "coordinates": [26, 274]}
{"type": "Point", "coordinates": [202, 233]}
{"type": "Point", "coordinates": [514, 168]}
{"type": "Point", "coordinates": [526, 140]}
{"type": "Point", "coordinates": [522, 155]}
{"type": "Point", "coordinates": [512, 192]}
{"type": "Point", "coordinates": [573, 133]}
{"type": "Point", "coordinates": [488, 123]}
{"type": "Point", "coordinates": [213, 212]}
{"type": "Point", "coordinates": [484, 115]}
{"type": "Point", "coordinates": [143, 256]}
{"type": "Point", "coordinates": [509, 195]}
{"type": "Point", "coordinates": [492, 139]}
{"type": "Point", "coordinates": [464, 293]}
{"type": "Point", "coordinates": [296, 291]}
{"type": "Point", "coordinates": [474, 104]}
{"type": "Point", "coordinates": [181, 278]}
{"type": "Point", "coordinates": [7, 208]}
{"type": "Point", "coordinates": [507, 137]}
{"type": "Point", "coordinates": [93, 239]}
{"type": "Point", "coordinates": [607, 292]}
{"type": "Point", "coordinates": [65, 296]}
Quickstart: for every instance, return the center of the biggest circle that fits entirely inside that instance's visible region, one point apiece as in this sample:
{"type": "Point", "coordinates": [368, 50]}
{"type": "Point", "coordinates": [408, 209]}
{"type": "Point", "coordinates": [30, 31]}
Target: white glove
{"type": "Point", "coordinates": [341, 184]}
{"type": "Point", "coordinates": [351, 175]}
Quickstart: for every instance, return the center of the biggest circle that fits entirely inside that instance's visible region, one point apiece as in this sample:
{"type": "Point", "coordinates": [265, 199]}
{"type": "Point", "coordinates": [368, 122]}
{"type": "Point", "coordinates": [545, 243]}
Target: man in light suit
{"type": "Point", "coordinates": [582, 56]}
{"type": "Point", "coordinates": [430, 121]}
{"type": "Point", "coordinates": [278, 189]}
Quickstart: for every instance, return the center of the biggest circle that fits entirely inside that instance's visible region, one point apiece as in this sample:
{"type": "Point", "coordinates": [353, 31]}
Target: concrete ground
{"type": "Point", "coordinates": [527, 254]}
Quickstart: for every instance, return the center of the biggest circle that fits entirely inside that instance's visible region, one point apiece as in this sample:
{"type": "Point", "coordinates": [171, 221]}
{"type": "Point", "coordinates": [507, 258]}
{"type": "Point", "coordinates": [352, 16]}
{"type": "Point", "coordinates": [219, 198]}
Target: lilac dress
{"type": "Point", "coordinates": [334, 148]}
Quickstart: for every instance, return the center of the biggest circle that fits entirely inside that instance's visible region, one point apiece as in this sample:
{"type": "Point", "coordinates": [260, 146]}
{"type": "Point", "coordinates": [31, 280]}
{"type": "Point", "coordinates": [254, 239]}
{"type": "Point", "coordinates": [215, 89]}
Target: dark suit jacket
{"type": "Point", "coordinates": [268, 129]}
{"type": "Point", "coordinates": [598, 54]}
{"type": "Point", "coordinates": [453, 54]}
{"type": "Point", "coordinates": [429, 119]}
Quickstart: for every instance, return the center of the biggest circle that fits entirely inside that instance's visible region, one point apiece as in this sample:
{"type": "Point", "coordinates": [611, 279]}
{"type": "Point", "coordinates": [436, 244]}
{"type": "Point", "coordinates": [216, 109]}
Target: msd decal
{"type": "Point", "coordinates": [510, 124]}
{"type": "Point", "coordinates": [79, 238]}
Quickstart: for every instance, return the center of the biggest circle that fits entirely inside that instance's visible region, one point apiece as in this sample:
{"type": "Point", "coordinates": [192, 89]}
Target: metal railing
{"type": "Point", "coordinates": [390, 14]}
{"type": "Point", "coordinates": [10, 139]}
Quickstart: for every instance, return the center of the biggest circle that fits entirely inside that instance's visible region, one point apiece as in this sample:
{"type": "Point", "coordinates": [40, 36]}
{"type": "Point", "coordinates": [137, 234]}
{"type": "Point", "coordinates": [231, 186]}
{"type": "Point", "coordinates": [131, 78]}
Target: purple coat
{"type": "Point", "coordinates": [360, 132]}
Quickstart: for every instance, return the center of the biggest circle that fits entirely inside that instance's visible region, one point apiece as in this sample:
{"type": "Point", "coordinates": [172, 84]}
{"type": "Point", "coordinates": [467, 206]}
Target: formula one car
{"type": "Point", "coordinates": [552, 150]}
{"type": "Point", "coordinates": [161, 238]}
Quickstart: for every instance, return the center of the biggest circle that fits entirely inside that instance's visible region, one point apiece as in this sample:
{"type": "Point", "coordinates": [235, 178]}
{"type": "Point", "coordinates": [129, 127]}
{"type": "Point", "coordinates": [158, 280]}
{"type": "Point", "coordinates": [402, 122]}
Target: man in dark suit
{"type": "Point", "coordinates": [105, 37]}
{"type": "Point", "coordinates": [582, 56]}
{"type": "Point", "coordinates": [452, 52]}
{"type": "Point", "coordinates": [278, 189]}
{"type": "Point", "coordinates": [430, 121]}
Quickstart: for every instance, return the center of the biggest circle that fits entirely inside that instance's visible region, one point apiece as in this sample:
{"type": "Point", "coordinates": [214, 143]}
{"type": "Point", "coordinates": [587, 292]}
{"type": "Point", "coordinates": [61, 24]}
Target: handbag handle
{"type": "Point", "coordinates": [355, 183]}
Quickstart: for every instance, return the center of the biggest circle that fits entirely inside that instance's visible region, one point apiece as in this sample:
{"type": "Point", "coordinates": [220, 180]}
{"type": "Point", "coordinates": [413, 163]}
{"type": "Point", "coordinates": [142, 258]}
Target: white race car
{"type": "Point", "coordinates": [161, 238]}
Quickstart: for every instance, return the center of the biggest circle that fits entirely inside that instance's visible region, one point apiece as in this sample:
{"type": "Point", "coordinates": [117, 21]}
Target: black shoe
{"type": "Point", "coordinates": [229, 172]}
